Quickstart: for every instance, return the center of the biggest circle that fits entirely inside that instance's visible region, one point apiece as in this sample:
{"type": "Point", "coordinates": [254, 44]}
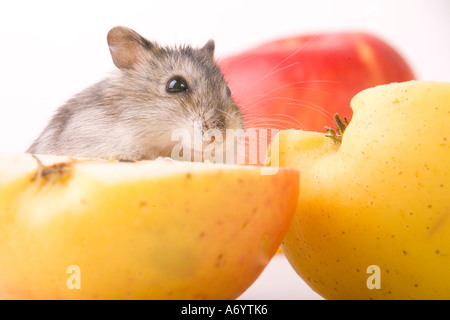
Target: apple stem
{"type": "Point", "coordinates": [59, 172]}
{"type": "Point", "coordinates": [336, 135]}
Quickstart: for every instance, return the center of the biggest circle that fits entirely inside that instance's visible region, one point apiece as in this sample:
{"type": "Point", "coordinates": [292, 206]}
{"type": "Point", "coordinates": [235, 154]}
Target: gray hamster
{"type": "Point", "coordinates": [132, 114]}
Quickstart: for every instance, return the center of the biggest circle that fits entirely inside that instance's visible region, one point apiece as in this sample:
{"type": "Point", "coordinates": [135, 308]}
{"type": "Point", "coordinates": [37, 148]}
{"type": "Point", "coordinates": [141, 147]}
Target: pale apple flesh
{"type": "Point", "coordinates": [380, 200]}
{"type": "Point", "coordinates": [147, 230]}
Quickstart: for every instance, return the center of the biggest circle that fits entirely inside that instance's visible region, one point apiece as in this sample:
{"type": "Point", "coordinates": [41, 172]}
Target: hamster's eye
{"type": "Point", "coordinates": [176, 84]}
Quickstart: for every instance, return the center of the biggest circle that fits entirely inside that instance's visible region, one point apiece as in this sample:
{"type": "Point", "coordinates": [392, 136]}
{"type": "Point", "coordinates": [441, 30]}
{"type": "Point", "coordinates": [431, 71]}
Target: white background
{"type": "Point", "coordinates": [50, 50]}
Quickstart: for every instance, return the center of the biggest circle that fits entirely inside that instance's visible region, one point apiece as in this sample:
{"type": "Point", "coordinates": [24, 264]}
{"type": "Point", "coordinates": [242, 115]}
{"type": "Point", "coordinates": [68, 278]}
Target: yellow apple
{"type": "Point", "coordinates": [91, 229]}
{"type": "Point", "coordinates": [373, 219]}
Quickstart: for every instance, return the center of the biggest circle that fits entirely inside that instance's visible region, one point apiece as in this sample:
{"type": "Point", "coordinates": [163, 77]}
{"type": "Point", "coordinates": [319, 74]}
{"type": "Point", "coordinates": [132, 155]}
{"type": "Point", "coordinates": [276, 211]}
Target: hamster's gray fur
{"type": "Point", "coordinates": [131, 115]}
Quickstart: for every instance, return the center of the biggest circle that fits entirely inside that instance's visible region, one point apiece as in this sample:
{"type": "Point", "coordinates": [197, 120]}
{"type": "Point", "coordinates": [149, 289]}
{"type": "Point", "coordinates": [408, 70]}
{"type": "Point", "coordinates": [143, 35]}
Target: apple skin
{"type": "Point", "coordinates": [301, 82]}
{"type": "Point", "coordinates": [380, 199]}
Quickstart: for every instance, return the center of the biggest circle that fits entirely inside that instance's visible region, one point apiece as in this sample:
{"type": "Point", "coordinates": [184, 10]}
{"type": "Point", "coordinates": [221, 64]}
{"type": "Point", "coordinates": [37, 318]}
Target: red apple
{"type": "Point", "coordinates": [302, 82]}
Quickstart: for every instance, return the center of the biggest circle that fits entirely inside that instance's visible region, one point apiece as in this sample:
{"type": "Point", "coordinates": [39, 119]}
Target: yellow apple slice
{"type": "Point", "coordinates": [373, 219]}
{"type": "Point", "coordinates": [92, 229]}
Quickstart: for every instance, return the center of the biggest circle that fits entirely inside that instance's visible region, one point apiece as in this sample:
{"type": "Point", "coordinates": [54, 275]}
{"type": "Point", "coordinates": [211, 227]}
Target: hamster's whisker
{"type": "Point", "coordinates": [265, 77]}
{"type": "Point", "coordinates": [229, 114]}
{"type": "Point", "coordinates": [300, 48]}
{"type": "Point", "coordinates": [291, 102]}
{"type": "Point", "coordinates": [274, 70]}
{"type": "Point", "coordinates": [289, 123]}
{"type": "Point", "coordinates": [266, 96]}
{"type": "Point", "coordinates": [298, 88]}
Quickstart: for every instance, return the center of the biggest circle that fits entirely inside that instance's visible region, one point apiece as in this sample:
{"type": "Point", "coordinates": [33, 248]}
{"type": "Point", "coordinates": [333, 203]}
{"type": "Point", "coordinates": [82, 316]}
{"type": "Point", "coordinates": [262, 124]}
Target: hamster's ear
{"type": "Point", "coordinates": [209, 47]}
{"type": "Point", "coordinates": [127, 47]}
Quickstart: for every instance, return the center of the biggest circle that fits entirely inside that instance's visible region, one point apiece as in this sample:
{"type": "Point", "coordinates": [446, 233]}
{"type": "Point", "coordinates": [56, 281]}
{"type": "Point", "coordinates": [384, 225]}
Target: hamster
{"type": "Point", "coordinates": [132, 114]}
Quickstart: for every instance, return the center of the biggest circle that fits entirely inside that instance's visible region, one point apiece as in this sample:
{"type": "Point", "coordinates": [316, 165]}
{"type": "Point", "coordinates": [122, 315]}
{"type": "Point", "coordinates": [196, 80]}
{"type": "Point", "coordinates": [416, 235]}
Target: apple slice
{"type": "Point", "coordinates": [73, 228]}
{"type": "Point", "coordinates": [373, 219]}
